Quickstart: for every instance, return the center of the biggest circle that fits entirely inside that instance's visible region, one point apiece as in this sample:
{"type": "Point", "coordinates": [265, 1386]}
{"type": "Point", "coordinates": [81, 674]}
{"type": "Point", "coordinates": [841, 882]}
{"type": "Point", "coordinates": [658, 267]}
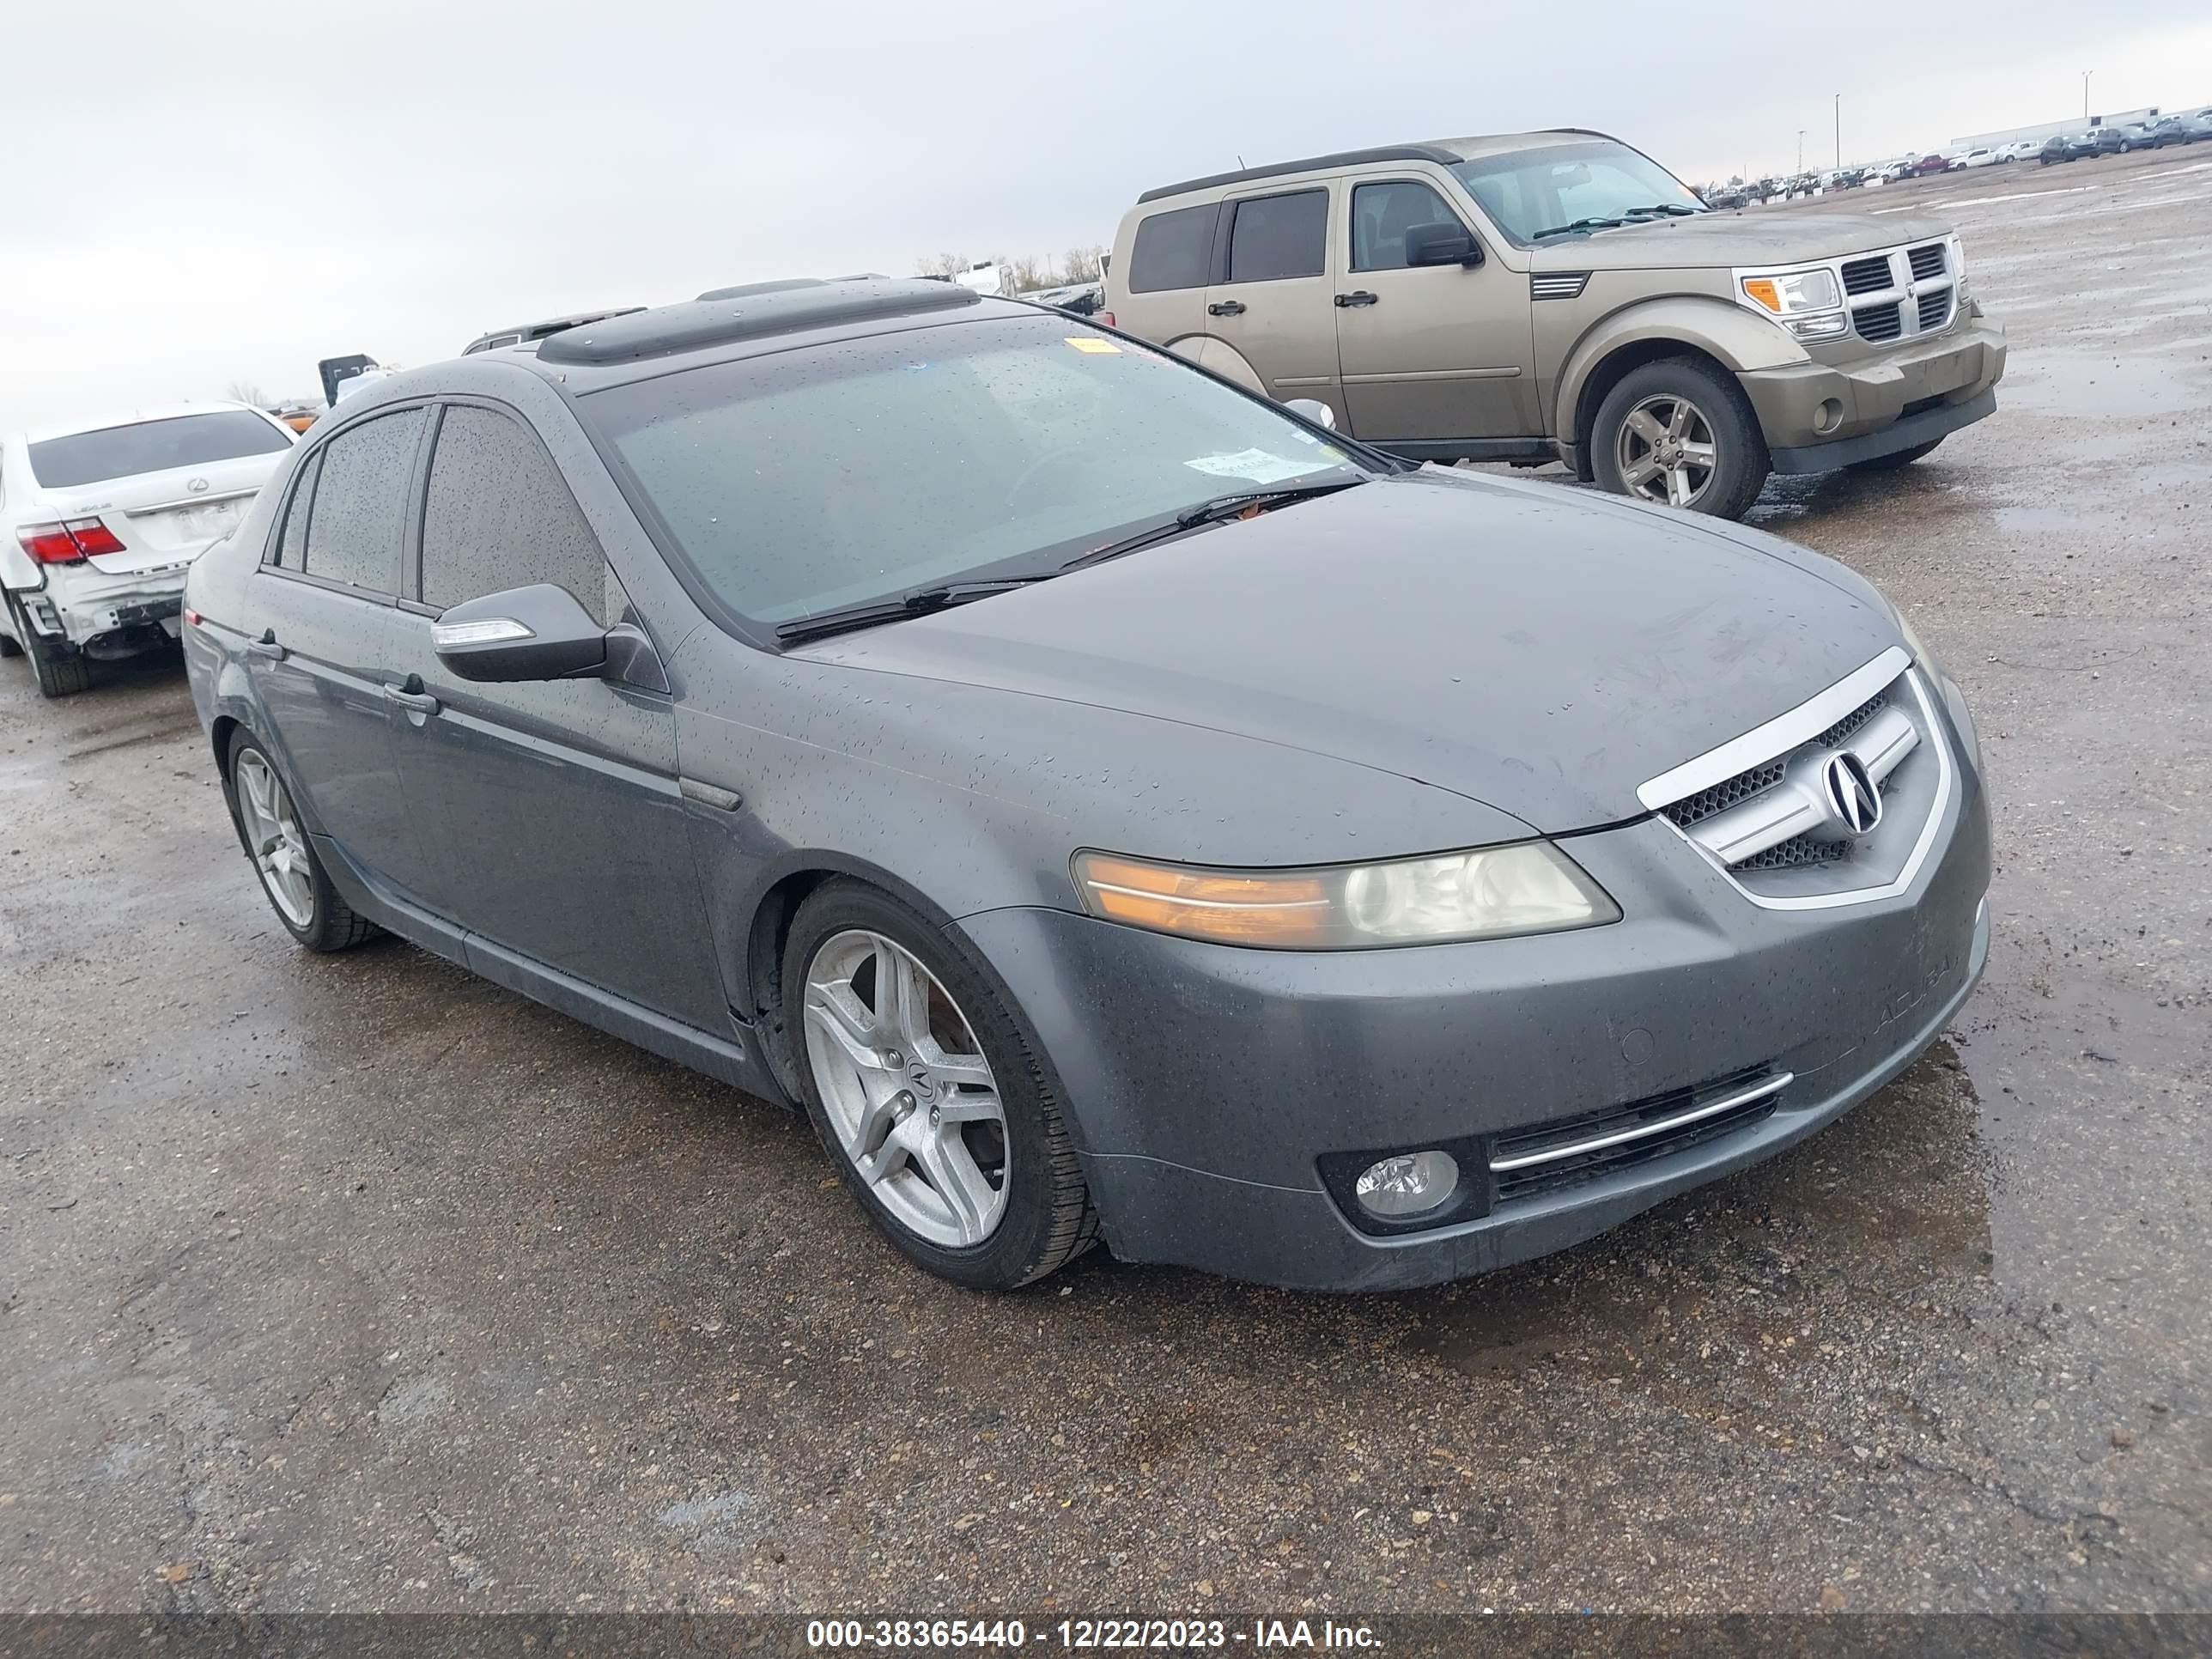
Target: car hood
{"type": "Point", "coordinates": [1727, 237]}
{"type": "Point", "coordinates": [1541, 650]}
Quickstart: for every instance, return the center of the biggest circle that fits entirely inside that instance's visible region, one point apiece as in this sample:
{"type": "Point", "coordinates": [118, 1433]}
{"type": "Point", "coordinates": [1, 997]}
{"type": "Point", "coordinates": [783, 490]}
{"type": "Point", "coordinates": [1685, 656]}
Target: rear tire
{"type": "Point", "coordinates": [1892, 463]}
{"type": "Point", "coordinates": [62, 669]}
{"type": "Point", "coordinates": [270, 831]}
{"type": "Point", "coordinates": [991, 1200]}
{"type": "Point", "coordinates": [1651, 395]}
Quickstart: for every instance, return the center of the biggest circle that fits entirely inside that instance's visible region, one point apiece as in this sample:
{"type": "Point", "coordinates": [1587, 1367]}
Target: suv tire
{"type": "Point", "coordinates": [1719, 418]}
{"type": "Point", "coordinates": [1892, 463]}
{"type": "Point", "coordinates": [874, 1093]}
{"type": "Point", "coordinates": [312, 910]}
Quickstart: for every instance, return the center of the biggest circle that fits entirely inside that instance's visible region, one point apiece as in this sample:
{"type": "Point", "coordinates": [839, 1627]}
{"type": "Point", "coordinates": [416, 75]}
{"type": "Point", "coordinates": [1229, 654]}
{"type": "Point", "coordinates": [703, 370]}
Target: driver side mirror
{"type": "Point", "coordinates": [535, 633]}
{"type": "Point", "coordinates": [1441, 245]}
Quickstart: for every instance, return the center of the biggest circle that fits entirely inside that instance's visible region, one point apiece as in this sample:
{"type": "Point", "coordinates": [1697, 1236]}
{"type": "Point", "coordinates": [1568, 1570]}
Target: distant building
{"type": "Point", "coordinates": [2047, 129]}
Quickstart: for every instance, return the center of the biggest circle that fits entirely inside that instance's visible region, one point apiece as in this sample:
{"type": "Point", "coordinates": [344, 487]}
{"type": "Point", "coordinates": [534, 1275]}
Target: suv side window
{"type": "Point", "coordinates": [361, 502]}
{"type": "Point", "coordinates": [1173, 250]}
{"type": "Point", "coordinates": [497, 515]}
{"type": "Point", "coordinates": [1382, 213]}
{"type": "Point", "coordinates": [1274, 237]}
{"type": "Point", "coordinates": [290, 552]}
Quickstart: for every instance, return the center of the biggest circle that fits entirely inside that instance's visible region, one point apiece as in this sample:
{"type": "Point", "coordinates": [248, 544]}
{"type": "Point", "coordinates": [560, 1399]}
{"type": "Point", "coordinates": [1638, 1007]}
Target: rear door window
{"type": "Point", "coordinates": [1275, 237]}
{"type": "Point", "coordinates": [360, 507]}
{"type": "Point", "coordinates": [498, 515]}
{"type": "Point", "coordinates": [124, 451]}
{"type": "Point", "coordinates": [1382, 213]}
{"type": "Point", "coordinates": [1173, 250]}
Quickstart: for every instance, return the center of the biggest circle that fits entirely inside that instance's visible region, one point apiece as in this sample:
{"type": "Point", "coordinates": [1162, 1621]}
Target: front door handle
{"type": "Point", "coordinates": [1226, 308]}
{"type": "Point", "coordinates": [1357, 297]}
{"type": "Point", "coordinates": [411, 697]}
{"type": "Point", "coordinates": [266, 646]}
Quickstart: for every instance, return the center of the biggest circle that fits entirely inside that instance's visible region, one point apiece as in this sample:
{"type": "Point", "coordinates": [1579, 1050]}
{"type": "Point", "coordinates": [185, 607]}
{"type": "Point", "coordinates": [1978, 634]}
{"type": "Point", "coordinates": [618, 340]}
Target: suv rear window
{"type": "Point", "coordinates": [123, 451]}
{"type": "Point", "coordinates": [1173, 250]}
{"type": "Point", "coordinates": [1279, 236]}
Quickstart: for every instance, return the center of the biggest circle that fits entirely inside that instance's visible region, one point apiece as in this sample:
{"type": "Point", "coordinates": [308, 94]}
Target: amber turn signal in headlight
{"type": "Point", "coordinates": [1490, 892]}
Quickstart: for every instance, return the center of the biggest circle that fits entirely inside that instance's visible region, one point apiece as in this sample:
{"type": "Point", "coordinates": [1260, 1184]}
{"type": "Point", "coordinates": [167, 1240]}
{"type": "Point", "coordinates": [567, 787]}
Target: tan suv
{"type": "Point", "coordinates": [1561, 296]}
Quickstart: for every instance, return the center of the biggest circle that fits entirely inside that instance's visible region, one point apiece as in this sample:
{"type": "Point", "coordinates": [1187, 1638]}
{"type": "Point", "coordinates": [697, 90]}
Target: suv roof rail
{"type": "Point", "coordinates": [771, 308]}
{"type": "Point", "coordinates": [1275, 169]}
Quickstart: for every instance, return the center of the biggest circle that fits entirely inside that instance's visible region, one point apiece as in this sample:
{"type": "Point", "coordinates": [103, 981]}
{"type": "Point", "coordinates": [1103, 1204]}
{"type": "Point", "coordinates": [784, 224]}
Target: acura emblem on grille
{"type": "Point", "coordinates": [1852, 797]}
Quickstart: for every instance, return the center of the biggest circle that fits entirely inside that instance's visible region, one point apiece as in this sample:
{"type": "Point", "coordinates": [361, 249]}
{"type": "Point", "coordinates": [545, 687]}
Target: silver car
{"type": "Point", "coordinates": [1112, 806]}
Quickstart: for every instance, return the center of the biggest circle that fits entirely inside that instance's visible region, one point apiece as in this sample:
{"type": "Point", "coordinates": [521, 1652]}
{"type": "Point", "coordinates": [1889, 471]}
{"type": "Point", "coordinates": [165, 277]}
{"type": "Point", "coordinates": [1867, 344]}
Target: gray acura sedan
{"type": "Point", "coordinates": [1112, 806]}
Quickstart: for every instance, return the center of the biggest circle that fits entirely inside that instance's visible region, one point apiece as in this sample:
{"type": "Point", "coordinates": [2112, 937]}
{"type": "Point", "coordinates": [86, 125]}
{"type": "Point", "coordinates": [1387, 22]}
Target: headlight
{"type": "Point", "coordinates": [1958, 257]}
{"type": "Point", "coordinates": [1529, 887]}
{"type": "Point", "coordinates": [1793, 293]}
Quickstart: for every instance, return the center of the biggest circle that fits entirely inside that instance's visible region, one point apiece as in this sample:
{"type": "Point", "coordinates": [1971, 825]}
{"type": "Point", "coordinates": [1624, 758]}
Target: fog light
{"type": "Point", "coordinates": [1407, 1184]}
{"type": "Point", "coordinates": [1828, 417]}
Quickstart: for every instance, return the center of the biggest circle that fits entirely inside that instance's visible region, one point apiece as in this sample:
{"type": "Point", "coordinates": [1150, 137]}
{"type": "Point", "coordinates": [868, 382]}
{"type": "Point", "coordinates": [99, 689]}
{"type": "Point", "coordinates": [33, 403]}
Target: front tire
{"type": "Point", "coordinates": [925, 1092]}
{"type": "Point", "coordinates": [1679, 433]}
{"type": "Point", "coordinates": [1896, 460]}
{"type": "Point", "coordinates": [284, 854]}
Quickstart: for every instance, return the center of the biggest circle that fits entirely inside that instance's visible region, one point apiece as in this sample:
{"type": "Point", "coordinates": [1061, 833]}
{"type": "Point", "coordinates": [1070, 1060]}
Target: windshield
{"type": "Point", "coordinates": [120, 451]}
{"type": "Point", "coordinates": [835, 475]}
{"type": "Point", "coordinates": [1528, 192]}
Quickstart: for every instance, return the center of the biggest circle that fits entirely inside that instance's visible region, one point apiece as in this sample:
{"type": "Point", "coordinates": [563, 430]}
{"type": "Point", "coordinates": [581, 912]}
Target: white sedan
{"type": "Point", "coordinates": [99, 523]}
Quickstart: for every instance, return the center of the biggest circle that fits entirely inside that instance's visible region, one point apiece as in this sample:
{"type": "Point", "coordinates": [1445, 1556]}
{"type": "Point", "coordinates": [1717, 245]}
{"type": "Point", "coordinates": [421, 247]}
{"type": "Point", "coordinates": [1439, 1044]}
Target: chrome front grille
{"type": "Point", "coordinates": [1838, 799]}
{"type": "Point", "coordinates": [1934, 310]}
{"type": "Point", "coordinates": [1868, 276]}
{"type": "Point", "coordinates": [1570, 1151]}
{"type": "Point", "coordinates": [1878, 323]}
{"type": "Point", "coordinates": [1927, 261]}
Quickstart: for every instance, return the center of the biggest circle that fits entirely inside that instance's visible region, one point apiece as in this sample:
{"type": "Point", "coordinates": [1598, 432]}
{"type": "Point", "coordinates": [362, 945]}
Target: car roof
{"type": "Point", "coordinates": [1444, 151]}
{"type": "Point", "coordinates": [135, 417]}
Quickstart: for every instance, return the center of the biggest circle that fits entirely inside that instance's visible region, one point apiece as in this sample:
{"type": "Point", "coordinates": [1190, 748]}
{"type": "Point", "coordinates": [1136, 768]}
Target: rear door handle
{"type": "Point", "coordinates": [1226, 308]}
{"type": "Point", "coordinates": [417, 702]}
{"type": "Point", "coordinates": [266, 646]}
{"type": "Point", "coordinates": [1359, 297]}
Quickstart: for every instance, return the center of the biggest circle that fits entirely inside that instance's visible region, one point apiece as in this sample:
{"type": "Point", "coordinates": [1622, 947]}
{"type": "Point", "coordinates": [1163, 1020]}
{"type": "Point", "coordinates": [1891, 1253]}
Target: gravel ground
{"type": "Point", "coordinates": [355, 1283]}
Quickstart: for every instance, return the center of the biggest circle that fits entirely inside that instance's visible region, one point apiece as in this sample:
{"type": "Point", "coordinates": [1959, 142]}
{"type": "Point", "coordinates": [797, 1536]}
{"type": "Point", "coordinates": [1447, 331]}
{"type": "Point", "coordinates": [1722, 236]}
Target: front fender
{"type": "Point", "coordinates": [1721, 329]}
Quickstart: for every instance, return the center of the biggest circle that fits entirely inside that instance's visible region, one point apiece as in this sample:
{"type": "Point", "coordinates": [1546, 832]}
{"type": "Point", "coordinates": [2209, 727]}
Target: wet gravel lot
{"type": "Point", "coordinates": [356, 1283]}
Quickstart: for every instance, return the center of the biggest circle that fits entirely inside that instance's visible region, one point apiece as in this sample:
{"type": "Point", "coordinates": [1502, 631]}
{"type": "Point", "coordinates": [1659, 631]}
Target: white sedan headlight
{"type": "Point", "coordinates": [1490, 892]}
{"type": "Point", "coordinates": [1808, 303]}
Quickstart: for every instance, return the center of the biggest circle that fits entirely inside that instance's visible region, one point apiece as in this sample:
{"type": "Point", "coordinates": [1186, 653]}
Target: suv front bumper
{"type": "Point", "coordinates": [1818, 416]}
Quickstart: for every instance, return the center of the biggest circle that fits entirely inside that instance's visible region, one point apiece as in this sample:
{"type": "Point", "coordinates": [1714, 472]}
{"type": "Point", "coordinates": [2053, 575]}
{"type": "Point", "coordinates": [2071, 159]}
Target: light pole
{"type": "Point", "coordinates": [1801, 149]}
{"type": "Point", "coordinates": [2086, 74]}
{"type": "Point", "coordinates": [1839, 133]}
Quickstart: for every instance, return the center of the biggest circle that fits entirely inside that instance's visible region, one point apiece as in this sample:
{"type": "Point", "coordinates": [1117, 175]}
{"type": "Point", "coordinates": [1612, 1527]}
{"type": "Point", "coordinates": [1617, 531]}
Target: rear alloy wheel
{"type": "Point", "coordinates": [922, 1088]}
{"type": "Point", "coordinates": [1678, 434]}
{"type": "Point", "coordinates": [291, 871]}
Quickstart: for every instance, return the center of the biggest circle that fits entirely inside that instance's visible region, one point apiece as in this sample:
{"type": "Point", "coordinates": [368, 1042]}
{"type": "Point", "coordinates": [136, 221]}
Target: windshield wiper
{"type": "Point", "coordinates": [1210, 512]}
{"type": "Point", "coordinates": [1595, 222]}
{"type": "Point", "coordinates": [1672, 210]}
{"type": "Point", "coordinates": [919, 603]}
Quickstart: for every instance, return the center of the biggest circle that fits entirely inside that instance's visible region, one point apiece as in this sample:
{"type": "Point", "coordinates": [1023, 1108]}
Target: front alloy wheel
{"type": "Point", "coordinates": [906, 1088]}
{"type": "Point", "coordinates": [1666, 451]}
{"type": "Point", "coordinates": [923, 1083]}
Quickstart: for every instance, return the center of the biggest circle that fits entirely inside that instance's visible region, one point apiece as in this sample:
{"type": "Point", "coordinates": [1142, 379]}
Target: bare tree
{"type": "Point", "coordinates": [1031, 273]}
{"type": "Point", "coordinates": [1080, 265]}
{"type": "Point", "coordinates": [244, 392]}
{"type": "Point", "coordinates": [941, 264]}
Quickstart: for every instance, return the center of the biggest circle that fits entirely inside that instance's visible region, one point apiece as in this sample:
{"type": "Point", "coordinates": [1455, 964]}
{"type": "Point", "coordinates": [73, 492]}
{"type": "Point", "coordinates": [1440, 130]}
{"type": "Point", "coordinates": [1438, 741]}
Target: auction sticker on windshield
{"type": "Point", "coordinates": [1092, 344]}
{"type": "Point", "coordinates": [1256, 465]}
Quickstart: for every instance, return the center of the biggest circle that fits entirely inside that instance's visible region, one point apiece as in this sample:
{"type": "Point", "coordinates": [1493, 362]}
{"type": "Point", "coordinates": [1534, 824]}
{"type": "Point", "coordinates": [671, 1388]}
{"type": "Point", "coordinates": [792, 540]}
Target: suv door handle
{"type": "Point", "coordinates": [266, 646]}
{"type": "Point", "coordinates": [414, 701]}
{"type": "Point", "coordinates": [1357, 297]}
{"type": "Point", "coordinates": [1226, 308]}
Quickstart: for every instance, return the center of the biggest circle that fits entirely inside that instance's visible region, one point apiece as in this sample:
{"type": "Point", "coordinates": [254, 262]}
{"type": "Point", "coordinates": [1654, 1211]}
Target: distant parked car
{"type": "Point", "coordinates": [2065, 147]}
{"type": "Point", "coordinates": [2152, 134]}
{"type": "Point", "coordinates": [2106, 141]}
{"type": "Point", "coordinates": [2021, 150]}
{"type": "Point", "coordinates": [1980, 156]}
{"type": "Point", "coordinates": [99, 522]}
{"type": "Point", "coordinates": [1929, 164]}
{"type": "Point", "coordinates": [2193, 128]}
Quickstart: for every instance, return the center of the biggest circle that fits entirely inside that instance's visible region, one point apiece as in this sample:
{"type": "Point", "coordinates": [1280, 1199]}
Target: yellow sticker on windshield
{"type": "Point", "coordinates": [1091, 342]}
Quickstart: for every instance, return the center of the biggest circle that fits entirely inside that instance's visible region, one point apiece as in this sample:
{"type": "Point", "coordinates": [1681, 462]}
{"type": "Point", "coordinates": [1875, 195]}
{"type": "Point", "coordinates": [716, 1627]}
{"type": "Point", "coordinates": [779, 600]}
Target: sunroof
{"type": "Point", "coordinates": [664, 331]}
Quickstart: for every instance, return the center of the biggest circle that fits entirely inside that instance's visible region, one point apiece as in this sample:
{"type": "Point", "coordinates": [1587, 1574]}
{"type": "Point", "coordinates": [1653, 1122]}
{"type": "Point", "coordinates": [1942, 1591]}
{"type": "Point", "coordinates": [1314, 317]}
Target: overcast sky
{"type": "Point", "coordinates": [205, 195]}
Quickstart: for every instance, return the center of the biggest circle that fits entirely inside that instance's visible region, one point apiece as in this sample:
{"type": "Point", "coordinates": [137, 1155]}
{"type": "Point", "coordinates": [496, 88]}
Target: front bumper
{"type": "Point", "coordinates": [1818, 416]}
{"type": "Point", "coordinates": [1208, 1085]}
